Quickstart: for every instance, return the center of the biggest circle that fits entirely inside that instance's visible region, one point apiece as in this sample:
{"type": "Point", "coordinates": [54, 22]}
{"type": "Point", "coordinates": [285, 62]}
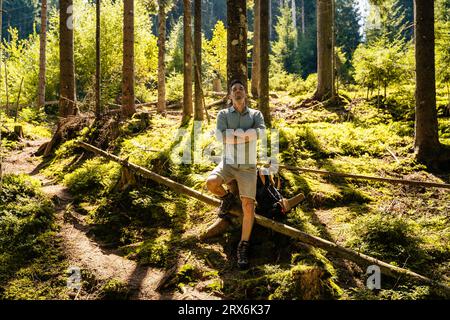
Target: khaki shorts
{"type": "Point", "coordinates": [244, 176]}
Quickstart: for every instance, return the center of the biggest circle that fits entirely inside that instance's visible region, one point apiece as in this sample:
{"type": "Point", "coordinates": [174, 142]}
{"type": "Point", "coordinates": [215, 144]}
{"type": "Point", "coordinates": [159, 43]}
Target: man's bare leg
{"type": "Point", "coordinates": [215, 185]}
{"type": "Point", "coordinates": [248, 209]}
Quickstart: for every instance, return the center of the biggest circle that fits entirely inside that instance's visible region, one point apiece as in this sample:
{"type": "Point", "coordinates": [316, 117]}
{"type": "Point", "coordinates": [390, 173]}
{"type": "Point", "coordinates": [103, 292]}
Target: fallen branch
{"type": "Point", "coordinates": [216, 103]}
{"type": "Point", "coordinates": [359, 258]}
{"type": "Point", "coordinates": [356, 176]}
{"type": "Point", "coordinates": [393, 155]}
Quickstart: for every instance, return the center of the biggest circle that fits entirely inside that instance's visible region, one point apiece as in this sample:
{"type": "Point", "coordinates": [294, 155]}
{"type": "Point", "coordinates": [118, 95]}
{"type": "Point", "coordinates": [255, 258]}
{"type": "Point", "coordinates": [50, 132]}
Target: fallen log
{"type": "Point", "coordinates": [359, 258]}
{"type": "Point", "coordinates": [362, 177]}
{"type": "Point", "coordinates": [218, 102]}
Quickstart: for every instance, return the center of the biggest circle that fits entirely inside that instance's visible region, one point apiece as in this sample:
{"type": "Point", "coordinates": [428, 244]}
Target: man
{"type": "Point", "coordinates": [238, 127]}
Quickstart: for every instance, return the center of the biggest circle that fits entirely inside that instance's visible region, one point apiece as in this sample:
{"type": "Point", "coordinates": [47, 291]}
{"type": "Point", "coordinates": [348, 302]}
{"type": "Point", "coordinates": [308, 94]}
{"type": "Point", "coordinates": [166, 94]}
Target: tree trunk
{"type": "Point", "coordinates": [264, 81]}
{"type": "Point", "coordinates": [98, 108]}
{"type": "Point", "coordinates": [198, 101]}
{"type": "Point", "coordinates": [6, 87]}
{"type": "Point", "coordinates": [270, 20]}
{"type": "Point", "coordinates": [67, 100]}
{"type": "Point", "coordinates": [187, 86]}
{"type": "Point", "coordinates": [128, 106]}
{"type": "Point", "coordinates": [161, 108]}
{"type": "Point", "coordinates": [237, 41]}
{"type": "Point", "coordinates": [256, 64]}
{"type": "Point", "coordinates": [294, 20]}
{"type": "Point", "coordinates": [42, 54]}
{"type": "Point", "coordinates": [325, 50]}
{"type": "Point", "coordinates": [426, 141]}
{"type": "Point", "coordinates": [303, 17]}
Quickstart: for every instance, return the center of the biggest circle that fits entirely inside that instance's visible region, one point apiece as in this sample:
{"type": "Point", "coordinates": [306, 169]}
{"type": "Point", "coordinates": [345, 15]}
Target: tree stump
{"type": "Point", "coordinates": [18, 131]}
{"type": "Point", "coordinates": [127, 179]}
{"type": "Point", "coordinates": [217, 85]}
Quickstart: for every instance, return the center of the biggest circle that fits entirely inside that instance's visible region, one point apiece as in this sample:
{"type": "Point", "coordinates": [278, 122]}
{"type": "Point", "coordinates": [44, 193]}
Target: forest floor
{"type": "Point", "coordinates": [128, 239]}
{"type": "Point", "coordinates": [80, 249]}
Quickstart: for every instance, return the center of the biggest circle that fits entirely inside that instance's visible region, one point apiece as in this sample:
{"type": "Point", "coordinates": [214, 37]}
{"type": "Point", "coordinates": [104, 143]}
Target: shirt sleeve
{"type": "Point", "coordinates": [259, 125]}
{"type": "Point", "coordinates": [221, 126]}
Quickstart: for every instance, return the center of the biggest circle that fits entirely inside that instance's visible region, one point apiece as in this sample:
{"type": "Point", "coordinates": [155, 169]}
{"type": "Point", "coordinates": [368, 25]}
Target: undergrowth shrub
{"type": "Point", "coordinates": [392, 239]}
{"type": "Point", "coordinates": [31, 262]}
{"type": "Point", "coordinates": [95, 176]}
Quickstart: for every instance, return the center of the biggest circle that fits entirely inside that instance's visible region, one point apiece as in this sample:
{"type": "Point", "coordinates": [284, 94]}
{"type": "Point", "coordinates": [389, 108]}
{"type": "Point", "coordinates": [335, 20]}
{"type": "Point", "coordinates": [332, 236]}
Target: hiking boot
{"type": "Point", "coordinates": [242, 254]}
{"type": "Point", "coordinates": [225, 206]}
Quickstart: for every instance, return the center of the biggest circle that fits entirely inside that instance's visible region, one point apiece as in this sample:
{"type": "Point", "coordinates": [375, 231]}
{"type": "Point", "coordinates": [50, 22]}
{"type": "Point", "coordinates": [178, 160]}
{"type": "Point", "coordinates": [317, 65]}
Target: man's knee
{"type": "Point", "coordinates": [213, 182]}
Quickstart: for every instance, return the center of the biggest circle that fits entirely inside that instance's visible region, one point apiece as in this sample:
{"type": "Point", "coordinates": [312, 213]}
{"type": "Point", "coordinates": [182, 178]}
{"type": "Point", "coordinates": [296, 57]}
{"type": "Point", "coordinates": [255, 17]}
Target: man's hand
{"type": "Point", "coordinates": [246, 136]}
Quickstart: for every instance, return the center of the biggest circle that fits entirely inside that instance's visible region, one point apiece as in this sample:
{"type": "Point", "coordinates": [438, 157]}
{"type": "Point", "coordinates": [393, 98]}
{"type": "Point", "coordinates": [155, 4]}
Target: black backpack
{"type": "Point", "coordinates": [269, 201]}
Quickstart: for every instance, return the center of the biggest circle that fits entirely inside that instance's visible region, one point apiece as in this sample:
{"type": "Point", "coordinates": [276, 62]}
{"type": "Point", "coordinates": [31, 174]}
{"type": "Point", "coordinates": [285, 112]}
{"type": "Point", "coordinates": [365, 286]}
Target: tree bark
{"type": "Point", "coordinates": [237, 41]}
{"type": "Point", "coordinates": [187, 85]}
{"type": "Point", "coordinates": [198, 100]}
{"type": "Point", "coordinates": [426, 141]}
{"type": "Point", "coordinates": [264, 51]}
{"type": "Point", "coordinates": [325, 50]}
{"type": "Point", "coordinates": [42, 54]}
{"type": "Point", "coordinates": [270, 20]}
{"type": "Point", "coordinates": [256, 64]}
{"type": "Point", "coordinates": [67, 100]}
{"type": "Point", "coordinates": [303, 17]}
{"type": "Point", "coordinates": [294, 20]}
{"type": "Point", "coordinates": [161, 107]}
{"type": "Point", "coordinates": [128, 106]}
{"type": "Point", "coordinates": [98, 108]}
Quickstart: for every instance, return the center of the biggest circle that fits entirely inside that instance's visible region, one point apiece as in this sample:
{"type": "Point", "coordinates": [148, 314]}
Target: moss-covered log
{"type": "Point", "coordinates": [359, 258]}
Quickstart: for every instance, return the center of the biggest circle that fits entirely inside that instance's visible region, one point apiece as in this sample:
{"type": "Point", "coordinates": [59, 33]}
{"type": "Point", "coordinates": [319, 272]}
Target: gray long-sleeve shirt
{"type": "Point", "coordinates": [243, 154]}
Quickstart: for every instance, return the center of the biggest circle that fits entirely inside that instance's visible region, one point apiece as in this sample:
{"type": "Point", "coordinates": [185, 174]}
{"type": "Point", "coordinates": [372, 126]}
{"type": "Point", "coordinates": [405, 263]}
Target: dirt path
{"type": "Point", "coordinates": [80, 249]}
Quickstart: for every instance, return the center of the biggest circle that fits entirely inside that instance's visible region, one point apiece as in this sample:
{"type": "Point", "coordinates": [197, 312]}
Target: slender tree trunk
{"type": "Point", "coordinates": [265, 44]}
{"type": "Point", "coordinates": [270, 21]}
{"type": "Point", "coordinates": [6, 88]}
{"type": "Point", "coordinates": [303, 17]}
{"type": "Point", "coordinates": [67, 100]}
{"type": "Point", "coordinates": [256, 70]}
{"type": "Point", "coordinates": [42, 54]}
{"type": "Point", "coordinates": [161, 108]}
{"type": "Point", "coordinates": [426, 140]}
{"type": "Point", "coordinates": [294, 20]}
{"type": "Point", "coordinates": [198, 101]}
{"type": "Point", "coordinates": [187, 85]}
{"type": "Point", "coordinates": [237, 41]}
{"type": "Point", "coordinates": [98, 107]}
{"type": "Point", "coordinates": [128, 106]}
{"type": "Point", "coordinates": [325, 50]}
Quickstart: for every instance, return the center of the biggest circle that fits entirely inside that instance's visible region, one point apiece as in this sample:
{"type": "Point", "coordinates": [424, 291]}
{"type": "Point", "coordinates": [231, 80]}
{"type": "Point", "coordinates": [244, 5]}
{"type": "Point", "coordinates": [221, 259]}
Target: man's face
{"type": "Point", "coordinates": [237, 93]}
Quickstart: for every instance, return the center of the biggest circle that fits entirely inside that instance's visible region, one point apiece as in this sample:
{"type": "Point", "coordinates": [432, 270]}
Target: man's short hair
{"type": "Point", "coordinates": [235, 81]}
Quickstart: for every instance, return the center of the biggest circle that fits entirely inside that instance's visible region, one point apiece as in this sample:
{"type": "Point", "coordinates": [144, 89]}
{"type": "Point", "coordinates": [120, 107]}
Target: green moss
{"type": "Point", "coordinates": [155, 252]}
{"type": "Point", "coordinates": [187, 274]}
{"type": "Point", "coordinates": [402, 292]}
{"type": "Point", "coordinates": [32, 265]}
{"type": "Point", "coordinates": [392, 239]}
{"type": "Point", "coordinates": [94, 176]}
{"type": "Point", "coordinates": [114, 289]}
{"type": "Point", "coordinates": [299, 282]}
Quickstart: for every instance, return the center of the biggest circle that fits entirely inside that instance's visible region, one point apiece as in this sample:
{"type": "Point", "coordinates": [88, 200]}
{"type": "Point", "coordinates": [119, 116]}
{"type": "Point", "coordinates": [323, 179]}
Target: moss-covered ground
{"type": "Point", "coordinates": [401, 225]}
